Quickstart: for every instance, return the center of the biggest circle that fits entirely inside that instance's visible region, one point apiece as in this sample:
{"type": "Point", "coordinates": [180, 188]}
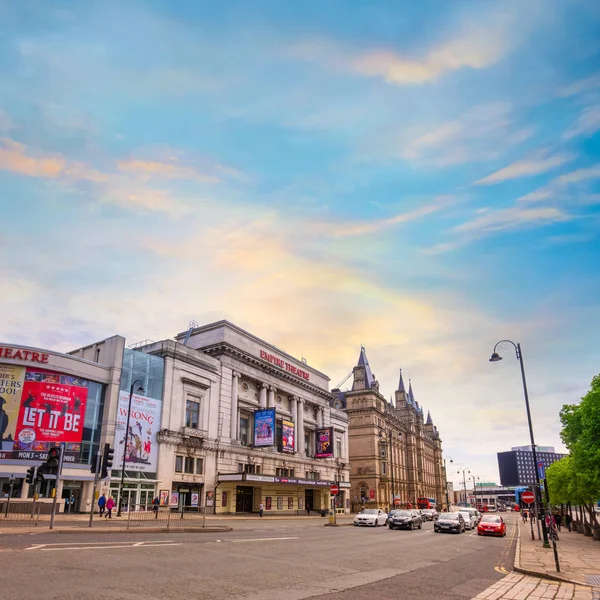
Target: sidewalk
{"type": "Point", "coordinates": [579, 558]}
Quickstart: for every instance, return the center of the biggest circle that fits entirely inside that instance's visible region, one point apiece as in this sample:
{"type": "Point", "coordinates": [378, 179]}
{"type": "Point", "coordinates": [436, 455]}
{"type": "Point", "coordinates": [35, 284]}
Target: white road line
{"type": "Point", "coordinates": [37, 546]}
{"type": "Point", "coordinates": [107, 547]}
{"type": "Point", "coordinates": [240, 541]}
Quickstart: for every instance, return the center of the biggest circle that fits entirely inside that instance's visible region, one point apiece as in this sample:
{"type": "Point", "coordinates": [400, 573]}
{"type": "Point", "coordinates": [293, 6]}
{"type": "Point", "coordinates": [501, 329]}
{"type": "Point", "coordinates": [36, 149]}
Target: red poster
{"type": "Point", "coordinates": [52, 409]}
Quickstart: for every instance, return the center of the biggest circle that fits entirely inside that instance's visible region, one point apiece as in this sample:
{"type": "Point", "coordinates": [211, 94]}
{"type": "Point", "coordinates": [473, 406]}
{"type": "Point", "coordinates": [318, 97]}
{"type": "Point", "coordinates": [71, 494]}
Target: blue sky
{"type": "Point", "coordinates": [422, 178]}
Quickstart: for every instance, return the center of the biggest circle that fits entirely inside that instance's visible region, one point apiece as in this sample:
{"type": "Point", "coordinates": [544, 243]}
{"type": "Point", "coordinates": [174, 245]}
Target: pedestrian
{"type": "Point", "coordinates": [524, 515]}
{"type": "Point", "coordinates": [155, 505]}
{"type": "Point", "coordinates": [110, 504]}
{"type": "Point", "coordinates": [101, 504]}
{"type": "Point", "coordinates": [308, 509]}
{"type": "Point", "coordinates": [568, 521]}
{"type": "Point", "coordinates": [558, 519]}
{"type": "Point", "coordinates": [261, 508]}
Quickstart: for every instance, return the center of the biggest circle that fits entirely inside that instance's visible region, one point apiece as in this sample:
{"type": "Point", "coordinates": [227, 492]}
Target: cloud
{"type": "Point", "coordinates": [13, 157]}
{"type": "Point", "coordinates": [474, 48]}
{"type": "Point", "coordinates": [6, 123]}
{"type": "Point", "coordinates": [583, 85]}
{"type": "Point", "coordinates": [586, 124]}
{"type": "Point", "coordinates": [526, 168]}
{"type": "Point", "coordinates": [148, 169]}
{"type": "Point", "coordinates": [512, 218]}
{"type": "Point", "coordinates": [554, 190]}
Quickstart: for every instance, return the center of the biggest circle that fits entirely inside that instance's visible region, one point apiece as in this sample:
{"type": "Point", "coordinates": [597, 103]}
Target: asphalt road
{"type": "Point", "coordinates": [269, 560]}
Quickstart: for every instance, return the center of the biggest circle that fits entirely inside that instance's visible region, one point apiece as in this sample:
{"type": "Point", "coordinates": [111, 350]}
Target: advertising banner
{"type": "Point", "coordinates": [39, 410]}
{"type": "Point", "coordinates": [287, 436]}
{"type": "Point", "coordinates": [144, 423]}
{"type": "Point", "coordinates": [264, 427]}
{"type": "Point", "coordinates": [174, 499]}
{"type": "Point", "coordinates": [324, 440]}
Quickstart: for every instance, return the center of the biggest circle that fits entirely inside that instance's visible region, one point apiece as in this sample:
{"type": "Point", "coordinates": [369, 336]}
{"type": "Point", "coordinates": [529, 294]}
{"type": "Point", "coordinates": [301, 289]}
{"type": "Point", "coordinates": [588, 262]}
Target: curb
{"type": "Point", "coordinates": [541, 574]}
{"type": "Point", "coordinates": [141, 530]}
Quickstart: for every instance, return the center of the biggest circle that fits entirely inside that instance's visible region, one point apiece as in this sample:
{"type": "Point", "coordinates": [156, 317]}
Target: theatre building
{"type": "Point", "coordinates": [47, 399]}
{"type": "Point", "coordinates": [244, 423]}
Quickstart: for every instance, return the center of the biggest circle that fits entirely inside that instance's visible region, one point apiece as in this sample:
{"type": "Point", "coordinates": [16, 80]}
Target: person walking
{"type": "Point", "coordinates": [155, 505]}
{"type": "Point", "coordinates": [524, 515]}
{"type": "Point", "coordinates": [101, 504]}
{"type": "Point", "coordinates": [568, 521]}
{"type": "Point", "coordinates": [558, 519]}
{"type": "Point", "coordinates": [261, 508]}
{"type": "Point", "coordinates": [308, 509]}
{"type": "Point", "coordinates": [110, 504]}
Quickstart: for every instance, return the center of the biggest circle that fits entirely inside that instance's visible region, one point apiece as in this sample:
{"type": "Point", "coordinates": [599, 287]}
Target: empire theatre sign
{"type": "Point", "coordinates": [284, 365]}
{"type": "Point", "coordinates": [22, 354]}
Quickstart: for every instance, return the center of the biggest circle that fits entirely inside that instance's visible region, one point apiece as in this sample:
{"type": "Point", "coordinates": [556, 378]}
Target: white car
{"type": "Point", "coordinates": [373, 517]}
{"type": "Point", "coordinates": [470, 520]}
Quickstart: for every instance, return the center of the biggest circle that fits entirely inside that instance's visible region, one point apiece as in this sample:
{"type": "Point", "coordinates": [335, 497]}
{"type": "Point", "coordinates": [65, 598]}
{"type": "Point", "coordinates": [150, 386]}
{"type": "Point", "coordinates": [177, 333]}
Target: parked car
{"type": "Point", "coordinates": [406, 519]}
{"type": "Point", "coordinates": [491, 525]}
{"type": "Point", "coordinates": [470, 520]}
{"type": "Point", "coordinates": [452, 522]}
{"type": "Point", "coordinates": [429, 514]}
{"type": "Point", "coordinates": [373, 517]}
{"type": "Point", "coordinates": [474, 512]}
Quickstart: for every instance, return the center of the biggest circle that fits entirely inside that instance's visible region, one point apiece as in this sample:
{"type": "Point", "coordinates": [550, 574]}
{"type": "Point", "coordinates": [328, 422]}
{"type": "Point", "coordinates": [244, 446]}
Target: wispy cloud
{"type": "Point", "coordinates": [583, 85]}
{"type": "Point", "coordinates": [14, 158]}
{"type": "Point", "coordinates": [148, 169]}
{"type": "Point", "coordinates": [526, 168]}
{"type": "Point", "coordinates": [586, 124]}
{"type": "Point", "coordinates": [554, 190]}
{"type": "Point", "coordinates": [512, 218]}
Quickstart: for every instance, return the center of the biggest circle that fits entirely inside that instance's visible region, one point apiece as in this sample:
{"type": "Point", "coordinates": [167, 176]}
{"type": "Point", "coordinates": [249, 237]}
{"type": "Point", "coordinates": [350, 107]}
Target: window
{"type": "Point", "coordinates": [382, 451]}
{"type": "Point", "coordinates": [249, 468]}
{"type": "Point", "coordinates": [199, 466]}
{"type": "Point", "coordinates": [189, 464]}
{"type": "Point", "coordinates": [278, 435]}
{"type": "Point", "coordinates": [384, 468]}
{"type": "Point", "coordinates": [240, 467]}
{"type": "Point", "coordinates": [244, 430]}
{"type": "Point", "coordinates": [192, 412]}
{"type": "Point", "coordinates": [178, 464]}
{"type": "Point", "coordinates": [282, 472]}
{"type": "Point", "coordinates": [338, 448]}
{"type": "Point", "coordinates": [309, 450]}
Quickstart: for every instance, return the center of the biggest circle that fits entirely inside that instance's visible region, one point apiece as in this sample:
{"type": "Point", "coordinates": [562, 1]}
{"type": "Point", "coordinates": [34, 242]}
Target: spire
{"type": "Point", "coordinates": [363, 361]}
{"type": "Point", "coordinates": [429, 420]}
{"type": "Point", "coordinates": [411, 396]}
{"type": "Point", "coordinates": [401, 387]}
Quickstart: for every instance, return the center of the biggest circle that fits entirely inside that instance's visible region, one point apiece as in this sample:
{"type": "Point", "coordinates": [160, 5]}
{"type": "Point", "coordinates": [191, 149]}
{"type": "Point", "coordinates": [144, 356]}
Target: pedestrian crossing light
{"type": "Point", "coordinates": [107, 460]}
{"type": "Point", "coordinates": [31, 475]}
{"type": "Point", "coordinates": [53, 461]}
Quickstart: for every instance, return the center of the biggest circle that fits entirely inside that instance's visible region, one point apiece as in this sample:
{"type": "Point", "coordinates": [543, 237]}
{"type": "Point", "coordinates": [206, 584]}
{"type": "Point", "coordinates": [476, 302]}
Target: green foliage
{"type": "Point", "coordinates": [577, 478]}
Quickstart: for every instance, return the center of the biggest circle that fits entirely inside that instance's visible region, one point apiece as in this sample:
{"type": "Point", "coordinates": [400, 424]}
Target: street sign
{"type": "Point", "coordinates": [334, 489]}
{"type": "Point", "coordinates": [528, 497]}
{"type": "Point", "coordinates": [541, 470]}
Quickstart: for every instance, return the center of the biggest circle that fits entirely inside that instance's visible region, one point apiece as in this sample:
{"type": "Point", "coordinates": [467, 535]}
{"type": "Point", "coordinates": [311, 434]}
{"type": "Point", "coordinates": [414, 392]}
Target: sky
{"type": "Point", "coordinates": [421, 178]}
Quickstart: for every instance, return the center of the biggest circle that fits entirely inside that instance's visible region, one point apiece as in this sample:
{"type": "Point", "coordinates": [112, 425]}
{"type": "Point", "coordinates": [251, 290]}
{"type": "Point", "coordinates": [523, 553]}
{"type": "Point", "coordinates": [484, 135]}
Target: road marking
{"type": "Point", "coordinates": [36, 546]}
{"type": "Point", "coordinates": [261, 539]}
{"type": "Point", "coordinates": [100, 545]}
{"type": "Point", "coordinates": [108, 547]}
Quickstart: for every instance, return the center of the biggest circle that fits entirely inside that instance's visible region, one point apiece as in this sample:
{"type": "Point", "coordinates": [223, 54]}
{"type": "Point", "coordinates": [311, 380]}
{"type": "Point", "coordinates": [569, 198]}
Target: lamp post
{"type": "Point", "coordinates": [464, 481]}
{"type": "Point", "coordinates": [446, 478]}
{"type": "Point", "coordinates": [140, 390]}
{"type": "Point", "coordinates": [496, 358]}
{"type": "Point", "coordinates": [474, 488]}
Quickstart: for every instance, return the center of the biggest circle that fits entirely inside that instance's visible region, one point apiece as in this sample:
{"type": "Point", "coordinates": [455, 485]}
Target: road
{"type": "Point", "coordinates": [268, 560]}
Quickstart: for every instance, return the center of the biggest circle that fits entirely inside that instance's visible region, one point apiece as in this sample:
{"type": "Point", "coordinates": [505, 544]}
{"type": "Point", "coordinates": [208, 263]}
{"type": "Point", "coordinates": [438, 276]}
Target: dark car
{"type": "Point", "coordinates": [405, 519]}
{"type": "Point", "coordinates": [429, 514]}
{"type": "Point", "coordinates": [452, 522]}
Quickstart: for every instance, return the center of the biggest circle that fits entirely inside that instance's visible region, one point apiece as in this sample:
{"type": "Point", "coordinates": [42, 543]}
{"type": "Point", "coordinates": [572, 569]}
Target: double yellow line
{"type": "Point", "coordinates": [513, 536]}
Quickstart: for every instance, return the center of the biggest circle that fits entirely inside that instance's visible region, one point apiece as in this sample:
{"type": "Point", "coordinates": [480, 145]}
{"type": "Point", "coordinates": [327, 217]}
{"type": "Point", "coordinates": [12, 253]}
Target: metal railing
{"type": "Point", "coordinates": [149, 515]}
{"type": "Point", "coordinates": [19, 513]}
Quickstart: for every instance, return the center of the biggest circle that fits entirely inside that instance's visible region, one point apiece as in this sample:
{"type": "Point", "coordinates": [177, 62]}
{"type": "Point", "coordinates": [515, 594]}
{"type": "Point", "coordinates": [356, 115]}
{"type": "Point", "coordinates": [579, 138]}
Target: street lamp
{"type": "Point", "coordinates": [140, 390]}
{"type": "Point", "coordinates": [538, 492]}
{"type": "Point", "coordinates": [474, 488]}
{"type": "Point", "coordinates": [446, 478]}
{"type": "Point", "coordinates": [464, 481]}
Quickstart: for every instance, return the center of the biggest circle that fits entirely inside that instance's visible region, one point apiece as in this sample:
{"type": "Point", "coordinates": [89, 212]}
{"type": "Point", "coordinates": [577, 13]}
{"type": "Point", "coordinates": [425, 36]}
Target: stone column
{"type": "Point", "coordinates": [262, 397]}
{"type": "Point", "coordinates": [300, 427]}
{"type": "Point", "coordinates": [294, 411]}
{"type": "Point", "coordinates": [320, 417]}
{"type": "Point", "coordinates": [234, 405]}
{"type": "Point", "coordinates": [345, 448]}
{"type": "Point", "coordinates": [271, 397]}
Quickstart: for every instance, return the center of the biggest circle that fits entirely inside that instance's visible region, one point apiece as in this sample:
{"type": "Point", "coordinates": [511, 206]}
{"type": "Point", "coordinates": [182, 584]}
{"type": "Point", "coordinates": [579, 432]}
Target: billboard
{"type": "Point", "coordinates": [264, 427]}
{"type": "Point", "coordinates": [324, 440]}
{"type": "Point", "coordinates": [39, 410]}
{"type": "Point", "coordinates": [144, 423]}
{"type": "Point", "coordinates": [287, 436]}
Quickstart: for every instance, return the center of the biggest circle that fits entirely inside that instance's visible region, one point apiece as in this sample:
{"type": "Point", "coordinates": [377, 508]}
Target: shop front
{"type": "Point", "coordinates": [240, 493]}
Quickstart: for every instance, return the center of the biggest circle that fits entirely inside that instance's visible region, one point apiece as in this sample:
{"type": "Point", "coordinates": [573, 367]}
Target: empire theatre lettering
{"type": "Point", "coordinates": [282, 364]}
{"type": "Point", "coordinates": [20, 354]}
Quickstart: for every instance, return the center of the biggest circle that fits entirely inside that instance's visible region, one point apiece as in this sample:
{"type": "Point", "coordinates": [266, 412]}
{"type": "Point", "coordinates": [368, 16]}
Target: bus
{"type": "Point", "coordinates": [426, 503]}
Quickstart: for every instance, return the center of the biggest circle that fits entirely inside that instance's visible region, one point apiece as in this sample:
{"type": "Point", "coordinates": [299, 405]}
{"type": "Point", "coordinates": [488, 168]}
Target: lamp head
{"type": "Point", "coordinates": [495, 357]}
{"type": "Point", "coordinates": [140, 391]}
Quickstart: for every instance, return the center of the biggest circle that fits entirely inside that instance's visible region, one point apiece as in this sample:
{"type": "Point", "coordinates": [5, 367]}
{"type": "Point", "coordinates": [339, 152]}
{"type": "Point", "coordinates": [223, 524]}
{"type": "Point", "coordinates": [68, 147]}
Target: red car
{"type": "Point", "coordinates": [491, 525]}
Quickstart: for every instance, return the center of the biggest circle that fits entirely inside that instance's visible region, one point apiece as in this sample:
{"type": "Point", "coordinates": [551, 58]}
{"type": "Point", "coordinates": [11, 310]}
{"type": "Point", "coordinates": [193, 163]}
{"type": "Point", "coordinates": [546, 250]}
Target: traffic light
{"type": "Point", "coordinates": [31, 475]}
{"type": "Point", "coordinates": [94, 467]}
{"type": "Point", "coordinates": [53, 461]}
{"type": "Point", "coordinates": [107, 460]}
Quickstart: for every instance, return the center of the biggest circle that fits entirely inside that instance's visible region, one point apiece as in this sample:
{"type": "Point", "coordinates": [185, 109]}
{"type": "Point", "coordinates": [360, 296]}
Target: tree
{"type": "Point", "coordinates": [579, 476]}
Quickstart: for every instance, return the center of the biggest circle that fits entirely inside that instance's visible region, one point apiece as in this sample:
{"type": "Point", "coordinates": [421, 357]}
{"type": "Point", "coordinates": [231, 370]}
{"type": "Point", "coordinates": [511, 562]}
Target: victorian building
{"type": "Point", "coordinates": [395, 452]}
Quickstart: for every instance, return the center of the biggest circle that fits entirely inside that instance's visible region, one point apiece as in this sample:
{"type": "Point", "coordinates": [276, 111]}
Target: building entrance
{"type": "Point", "coordinates": [243, 499]}
{"type": "Point", "coordinates": [309, 500]}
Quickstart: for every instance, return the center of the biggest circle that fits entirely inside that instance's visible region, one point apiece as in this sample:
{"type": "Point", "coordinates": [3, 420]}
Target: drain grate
{"type": "Point", "coordinates": [593, 579]}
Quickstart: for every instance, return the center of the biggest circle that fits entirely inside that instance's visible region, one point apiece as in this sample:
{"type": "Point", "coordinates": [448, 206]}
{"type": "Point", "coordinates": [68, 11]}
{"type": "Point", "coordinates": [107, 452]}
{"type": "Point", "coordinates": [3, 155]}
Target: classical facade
{"type": "Point", "coordinates": [395, 452]}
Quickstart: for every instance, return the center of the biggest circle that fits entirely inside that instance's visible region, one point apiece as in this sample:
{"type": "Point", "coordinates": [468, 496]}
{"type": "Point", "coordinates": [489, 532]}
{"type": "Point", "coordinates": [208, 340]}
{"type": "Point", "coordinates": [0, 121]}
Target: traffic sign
{"type": "Point", "coordinates": [334, 489]}
{"type": "Point", "coordinates": [528, 497]}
